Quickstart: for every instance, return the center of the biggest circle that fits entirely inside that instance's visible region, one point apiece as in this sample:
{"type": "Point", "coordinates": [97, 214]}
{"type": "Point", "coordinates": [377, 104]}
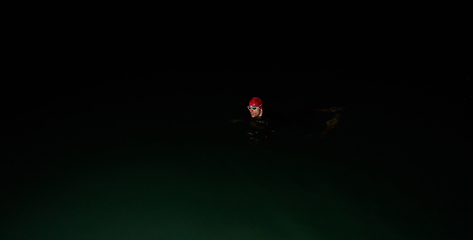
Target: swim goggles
{"type": "Point", "coordinates": [254, 107]}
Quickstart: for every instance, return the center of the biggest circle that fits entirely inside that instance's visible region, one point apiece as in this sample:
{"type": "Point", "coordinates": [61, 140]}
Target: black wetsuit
{"type": "Point", "coordinates": [281, 129]}
{"type": "Point", "coordinates": [259, 130]}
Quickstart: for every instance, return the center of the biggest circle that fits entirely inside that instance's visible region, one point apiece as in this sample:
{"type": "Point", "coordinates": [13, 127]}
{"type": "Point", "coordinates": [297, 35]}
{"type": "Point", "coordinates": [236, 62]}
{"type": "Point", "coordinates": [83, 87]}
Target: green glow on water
{"type": "Point", "coordinates": [197, 191]}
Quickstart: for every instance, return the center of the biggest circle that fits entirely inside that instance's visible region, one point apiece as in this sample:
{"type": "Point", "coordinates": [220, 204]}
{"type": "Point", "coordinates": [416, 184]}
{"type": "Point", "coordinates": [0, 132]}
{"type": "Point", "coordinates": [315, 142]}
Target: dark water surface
{"type": "Point", "coordinates": [166, 164]}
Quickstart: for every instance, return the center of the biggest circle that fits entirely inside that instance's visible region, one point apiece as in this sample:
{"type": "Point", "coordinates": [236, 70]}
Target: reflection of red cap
{"type": "Point", "coordinates": [256, 101]}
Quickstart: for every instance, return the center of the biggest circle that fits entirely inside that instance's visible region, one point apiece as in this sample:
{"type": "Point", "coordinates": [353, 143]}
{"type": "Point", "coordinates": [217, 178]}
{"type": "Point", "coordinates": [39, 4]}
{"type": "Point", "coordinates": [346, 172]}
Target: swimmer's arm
{"type": "Point", "coordinates": [238, 120]}
{"type": "Point", "coordinates": [332, 109]}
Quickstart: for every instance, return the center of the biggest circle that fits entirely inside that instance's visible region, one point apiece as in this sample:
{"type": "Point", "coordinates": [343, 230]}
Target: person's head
{"type": "Point", "coordinates": [255, 106]}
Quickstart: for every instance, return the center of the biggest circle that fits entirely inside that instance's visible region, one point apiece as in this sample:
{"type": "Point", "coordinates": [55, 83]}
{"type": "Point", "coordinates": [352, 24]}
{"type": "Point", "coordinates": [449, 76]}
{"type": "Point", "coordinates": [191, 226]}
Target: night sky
{"type": "Point", "coordinates": [407, 118]}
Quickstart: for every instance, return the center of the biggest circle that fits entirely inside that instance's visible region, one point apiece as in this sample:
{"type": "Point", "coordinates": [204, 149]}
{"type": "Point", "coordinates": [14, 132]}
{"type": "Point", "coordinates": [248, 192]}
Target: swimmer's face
{"type": "Point", "coordinates": [255, 111]}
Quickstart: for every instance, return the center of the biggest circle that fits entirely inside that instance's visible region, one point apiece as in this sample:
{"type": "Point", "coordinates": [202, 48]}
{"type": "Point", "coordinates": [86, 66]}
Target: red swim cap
{"type": "Point", "coordinates": [256, 101]}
